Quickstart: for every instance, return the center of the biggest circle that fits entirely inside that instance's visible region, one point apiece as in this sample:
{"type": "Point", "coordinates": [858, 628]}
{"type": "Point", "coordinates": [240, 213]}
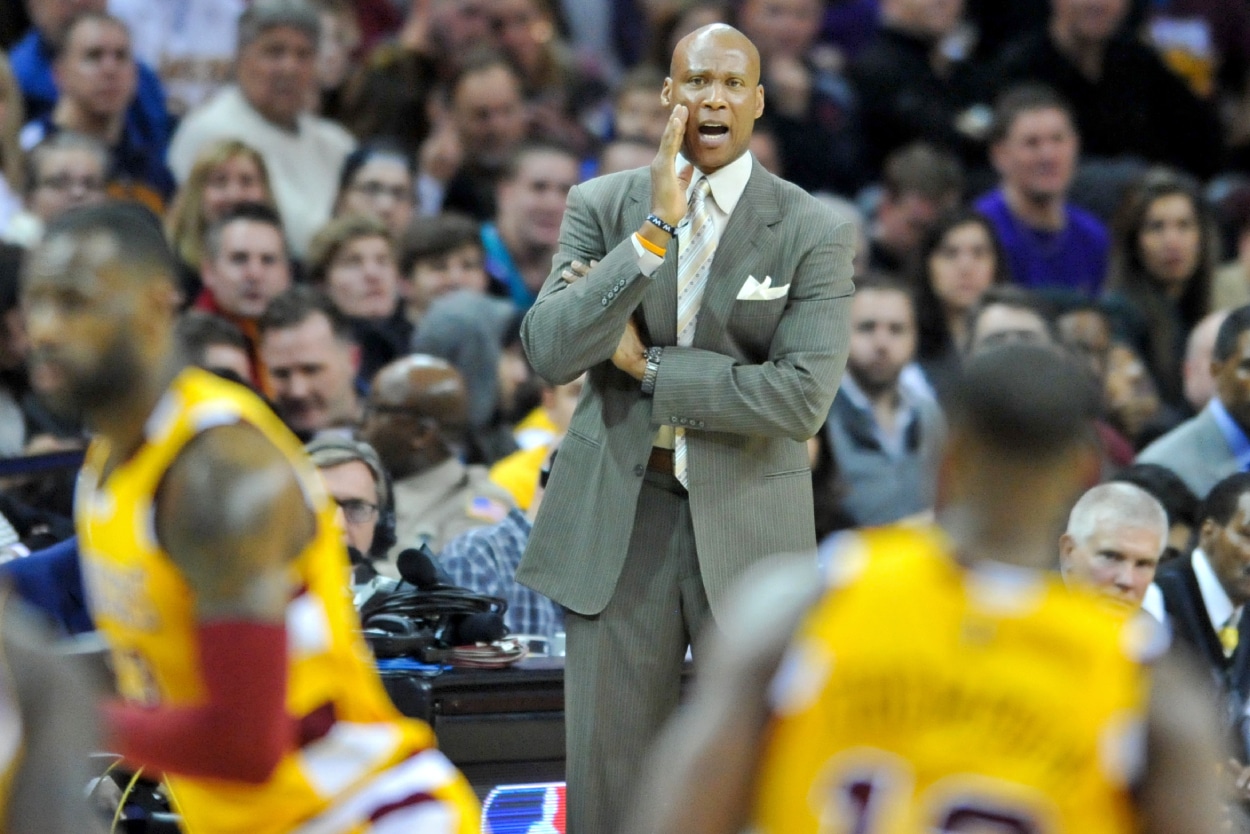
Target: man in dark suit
{"type": "Point", "coordinates": [686, 459]}
{"type": "Point", "coordinates": [1204, 597]}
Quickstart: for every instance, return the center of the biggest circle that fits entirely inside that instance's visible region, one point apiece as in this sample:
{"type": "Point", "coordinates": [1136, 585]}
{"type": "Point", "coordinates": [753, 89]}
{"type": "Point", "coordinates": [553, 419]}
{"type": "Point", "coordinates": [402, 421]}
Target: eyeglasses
{"type": "Point", "coordinates": [374, 190]}
{"type": "Point", "coordinates": [357, 510]}
{"type": "Point", "coordinates": [64, 182]}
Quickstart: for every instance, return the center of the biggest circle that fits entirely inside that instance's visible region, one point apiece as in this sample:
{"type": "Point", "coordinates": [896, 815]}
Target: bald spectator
{"type": "Point", "coordinates": [461, 162]}
{"type": "Point", "coordinates": [1196, 377]}
{"type": "Point", "coordinates": [96, 74]}
{"type": "Point", "coordinates": [267, 108]}
{"type": "Point", "coordinates": [531, 196]}
{"type": "Point", "coordinates": [32, 59]}
{"type": "Point", "coordinates": [310, 359]}
{"type": "Point", "coordinates": [1115, 537]}
{"type": "Point", "coordinates": [416, 419]}
{"type": "Point", "coordinates": [1215, 442]}
{"type": "Point", "coordinates": [1126, 101]}
{"type": "Point", "coordinates": [919, 184]}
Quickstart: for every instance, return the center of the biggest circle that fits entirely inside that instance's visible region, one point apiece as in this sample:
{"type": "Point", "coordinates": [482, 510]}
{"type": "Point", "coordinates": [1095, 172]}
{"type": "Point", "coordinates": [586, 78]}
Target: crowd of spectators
{"type": "Point", "coordinates": [365, 198]}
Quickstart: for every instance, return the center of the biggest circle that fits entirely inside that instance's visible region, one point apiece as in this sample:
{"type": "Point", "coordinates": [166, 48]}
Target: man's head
{"type": "Point", "coordinates": [94, 69]}
{"type": "Point", "coordinates": [65, 171]}
{"type": "Point", "coordinates": [310, 360]}
{"type": "Point", "coordinates": [919, 184]}
{"type": "Point", "coordinates": [1230, 364]}
{"type": "Point", "coordinates": [215, 344]}
{"type": "Point", "coordinates": [51, 17]}
{"type": "Point", "coordinates": [441, 254]}
{"type": "Point", "coordinates": [1087, 21]}
{"type": "Point", "coordinates": [99, 301]}
{"type": "Point", "coordinates": [1085, 330]}
{"type": "Point", "coordinates": [883, 334]}
{"type": "Point", "coordinates": [781, 28]}
{"type": "Point", "coordinates": [277, 58]}
{"type": "Point", "coordinates": [637, 112]}
{"type": "Point", "coordinates": [416, 414]}
{"type": "Point", "coordinates": [532, 194]}
{"type": "Point", "coordinates": [1021, 448]}
{"type": "Point", "coordinates": [1007, 315]}
{"type": "Point", "coordinates": [488, 109]}
{"type": "Point", "coordinates": [1116, 535]}
{"type": "Point", "coordinates": [352, 259]}
{"type": "Point", "coordinates": [930, 19]}
{"type": "Point", "coordinates": [455, 25]}
{"type": "Point", "coordinates": [715, 74]}
{"type": "Point", "coordinates": [1198, 381]}
{"type": "Point", "coordinates": [376, 180]}
{"type": "Point", "coordinates": [1224, 534]}
{"type": "Point", "coordinates": [356, 481]}
{"type": "Point", "coordinates": [245, 262]}
{"type": "Point", "coordinates": [1034, 143]}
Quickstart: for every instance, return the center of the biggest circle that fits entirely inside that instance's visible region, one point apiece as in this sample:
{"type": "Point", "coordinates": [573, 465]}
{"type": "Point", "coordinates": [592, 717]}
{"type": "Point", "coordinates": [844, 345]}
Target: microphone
{"type": "Point", "coordinates": [417, 569]}
{"type": "Point", "coordinates": [485, 627]}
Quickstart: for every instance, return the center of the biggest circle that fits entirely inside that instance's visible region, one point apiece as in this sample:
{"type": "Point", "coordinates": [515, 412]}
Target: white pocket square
{"type": "Point", "coordinates": [754, 290]}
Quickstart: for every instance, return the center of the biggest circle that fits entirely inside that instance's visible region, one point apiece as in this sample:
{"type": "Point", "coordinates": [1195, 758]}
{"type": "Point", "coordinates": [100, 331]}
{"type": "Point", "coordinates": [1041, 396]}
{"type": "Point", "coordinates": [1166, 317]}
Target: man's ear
{"type": "Point", "coordinates": [759, 100]}
{"type": "Point", "coordinates": [1066, 546]}
{"type": "Point", "coordinates": [666, 93]}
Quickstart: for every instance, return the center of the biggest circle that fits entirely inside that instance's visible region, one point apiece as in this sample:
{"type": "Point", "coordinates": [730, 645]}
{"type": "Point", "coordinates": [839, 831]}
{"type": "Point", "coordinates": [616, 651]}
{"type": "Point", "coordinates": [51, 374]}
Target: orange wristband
{"type": "Point", "coordinates": [649, 246]}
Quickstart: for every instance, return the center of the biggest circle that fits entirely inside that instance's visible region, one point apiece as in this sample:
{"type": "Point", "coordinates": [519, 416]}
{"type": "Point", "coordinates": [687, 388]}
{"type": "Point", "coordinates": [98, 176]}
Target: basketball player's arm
{"type": "Point", "coordinates": [231, 514]}
{"type": "Point", "coordinates": [1180, 790]}
{"type": "Point", "coordinates": [702, 769]}
{"type": "Point", "coordinates": [56, 701]}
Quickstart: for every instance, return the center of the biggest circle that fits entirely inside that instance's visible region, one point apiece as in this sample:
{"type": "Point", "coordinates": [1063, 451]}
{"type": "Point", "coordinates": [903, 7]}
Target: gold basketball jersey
{"type": "Point", "coordinates": [922, 696]}
{"type": "Point", "coordinates": [145, 609]}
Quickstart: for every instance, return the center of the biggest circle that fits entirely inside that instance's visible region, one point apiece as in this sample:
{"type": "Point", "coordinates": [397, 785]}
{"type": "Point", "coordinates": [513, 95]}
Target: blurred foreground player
{"type": "Point", "coordinates": [214, 568]}
{"type": "Point", "coordinates": [940, 680]}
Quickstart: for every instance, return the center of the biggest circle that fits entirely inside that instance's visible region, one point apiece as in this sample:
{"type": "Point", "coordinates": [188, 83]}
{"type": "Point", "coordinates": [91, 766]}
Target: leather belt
{"type": "Point", "coordinates": [661, 460]}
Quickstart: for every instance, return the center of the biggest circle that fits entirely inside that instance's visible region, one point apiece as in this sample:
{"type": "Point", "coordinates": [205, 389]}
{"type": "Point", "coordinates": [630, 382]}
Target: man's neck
{"type": "Point", "coordinates": [884, 400]}
{"type": "Point", "coordinates": [1042, 212]}
{"type": "Point", "coordinates": [533, 261]}
{"type": "Point", "coordinates": [1003, 531]}
{"type": "Point", "coordinates": [123, 423]}
{"type": "Point", "coordinates": [108, 129]}
{"type": "Point", "coordinates": [1086, 55]}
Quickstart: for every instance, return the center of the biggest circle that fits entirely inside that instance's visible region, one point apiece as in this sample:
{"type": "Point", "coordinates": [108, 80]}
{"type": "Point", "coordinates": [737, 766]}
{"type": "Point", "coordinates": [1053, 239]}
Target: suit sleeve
{"type": "Point", "coordinates": [790, 394]}
{"type": "Point", "coordinates": [573, 327]}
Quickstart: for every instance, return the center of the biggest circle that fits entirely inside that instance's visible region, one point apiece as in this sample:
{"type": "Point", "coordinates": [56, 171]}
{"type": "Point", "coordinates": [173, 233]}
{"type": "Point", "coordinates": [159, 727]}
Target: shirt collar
{"type": "Point", "coordinates": [727, 184]}
{"type": "Point", "coordinates": [1233, 434]}
{"type": "Point", "coordinates": [1214, 597]}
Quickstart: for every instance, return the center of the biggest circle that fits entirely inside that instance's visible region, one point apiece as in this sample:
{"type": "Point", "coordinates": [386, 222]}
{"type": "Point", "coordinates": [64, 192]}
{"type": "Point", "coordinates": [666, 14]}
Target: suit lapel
{"type": "Point", "coordinates": [737, 255]}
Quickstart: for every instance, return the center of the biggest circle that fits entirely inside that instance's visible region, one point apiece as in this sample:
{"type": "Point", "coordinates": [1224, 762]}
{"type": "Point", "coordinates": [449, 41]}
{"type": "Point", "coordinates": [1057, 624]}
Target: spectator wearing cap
{"type": "Point", "coordinates": [276, 78]}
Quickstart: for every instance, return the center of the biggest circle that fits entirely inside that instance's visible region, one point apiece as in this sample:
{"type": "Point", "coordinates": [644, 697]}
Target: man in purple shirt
{"type": "Point", "coordinates": [1051, 245]}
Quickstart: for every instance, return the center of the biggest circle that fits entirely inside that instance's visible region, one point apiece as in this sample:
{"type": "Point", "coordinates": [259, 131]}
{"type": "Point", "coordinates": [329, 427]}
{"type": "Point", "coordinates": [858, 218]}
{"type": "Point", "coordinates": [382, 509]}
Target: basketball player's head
{"type": "Point", "coordinates": [99, 302]}
{"type": "Point", "coordinates": [1022, 440]}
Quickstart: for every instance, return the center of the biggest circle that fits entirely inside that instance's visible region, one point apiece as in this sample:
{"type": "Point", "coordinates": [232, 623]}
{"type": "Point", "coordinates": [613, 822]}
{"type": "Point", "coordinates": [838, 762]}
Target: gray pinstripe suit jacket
{"type": "Point", "coordinates": [757, 382]}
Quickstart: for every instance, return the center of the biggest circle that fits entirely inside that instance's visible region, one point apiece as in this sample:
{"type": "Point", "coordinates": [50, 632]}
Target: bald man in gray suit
{"type": "Point", "coordinates": [685, 461]}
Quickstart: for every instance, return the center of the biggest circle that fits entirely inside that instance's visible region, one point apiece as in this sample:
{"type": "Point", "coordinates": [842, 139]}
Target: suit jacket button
{"type": "Point", "coordinates": [605, 302]}
{"type": "Point", "coordinates": [672, 419]}
{"type": "Point", "coordinates": [639, 469]}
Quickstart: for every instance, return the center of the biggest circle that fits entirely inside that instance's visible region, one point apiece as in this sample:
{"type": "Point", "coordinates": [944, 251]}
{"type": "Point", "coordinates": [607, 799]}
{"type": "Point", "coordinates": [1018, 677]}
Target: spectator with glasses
{"type": "Point", "coordinates": [63, 172]}
{"type": "Point", "coordinates": [377, 180]}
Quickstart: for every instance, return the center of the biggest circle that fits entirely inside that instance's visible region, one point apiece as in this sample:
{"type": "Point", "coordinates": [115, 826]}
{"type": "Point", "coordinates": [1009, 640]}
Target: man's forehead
{"type": "Point", "coordinates": [70, 260]}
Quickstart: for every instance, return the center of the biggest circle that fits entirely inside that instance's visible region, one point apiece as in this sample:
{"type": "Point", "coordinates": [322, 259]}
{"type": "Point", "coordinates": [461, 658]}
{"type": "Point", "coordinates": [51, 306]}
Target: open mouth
{"type": "Point", "coordinates": [713, 134]}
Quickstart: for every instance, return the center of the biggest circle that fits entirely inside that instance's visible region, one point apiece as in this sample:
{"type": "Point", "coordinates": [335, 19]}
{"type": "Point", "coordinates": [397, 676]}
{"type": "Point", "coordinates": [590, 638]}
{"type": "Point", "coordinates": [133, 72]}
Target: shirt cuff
{"type": "Point", "coordinates": [648, 262]}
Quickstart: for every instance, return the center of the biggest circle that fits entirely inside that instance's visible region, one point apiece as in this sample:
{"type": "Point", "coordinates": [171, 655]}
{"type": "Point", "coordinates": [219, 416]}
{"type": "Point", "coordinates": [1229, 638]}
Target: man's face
{"type": "Point", "coordinates": [716, 75]}
{"type": "Point", "coordinates": [639, 114]}
{"type": "Point", "coordinates": [781, 28]}
{"type": "Point", "coordinates": [522, 31]}
{"type": "Point", "coordinates": [1116, 561]}
{"type": "Point", "coordinates": [277, 73]}
{"type": "Point", "coordinates": [353, 489]}
{"type": "Point", "coordinates": [1038, 155]}
{"type": "Point", "coordinates": [489, 115]}
{"type": "Point", "coordinates": [66, 179]}
{"type": "Point", "coordinates": [363, 278]}
{"type": "Point", "coordinates": [1000, 324]}
{"type": "Point", "coordinates": [1232, 380]}
{"type": "Point", "coordinates": [531, 204]}
{"type": "Point", "coordinates": [1087, 335]}
{"type": "Point", "coordinates": [311, 373]}
{"type": "Point", "coordinates": [96, 70]}
{"type": "Point", "coordinates": [463, 268]}
{"type": "Point", "coordinates": [883, 338]}
{"type": "Point", "coordinates": [250, 268]}
{"type": "Point", "coordinates": [458, 25]}
{"type": "Point", "coordinates": [81, 317]}
{"type": "Point", "coordinates": [1091, 21]}
{"type": "Point", "coordinates": [1228, 548]}
{"type": "Point", "coordinates": [904, 219]}
{"type": "Point", "coordinates": [51, 16]}
{"type": "Point", "coordinates": [934, 18]}
{"type": "Point", "coordinates": [383, 189]}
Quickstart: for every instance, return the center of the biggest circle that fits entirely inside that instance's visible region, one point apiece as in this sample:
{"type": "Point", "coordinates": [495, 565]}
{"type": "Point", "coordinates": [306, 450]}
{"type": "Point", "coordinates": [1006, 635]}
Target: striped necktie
{"type": "Point", "coordinates": [696, 244]}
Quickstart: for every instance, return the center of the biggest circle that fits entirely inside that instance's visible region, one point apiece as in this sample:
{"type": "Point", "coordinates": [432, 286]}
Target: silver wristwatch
{"type": "Point", "coordinates": [653, 368]}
